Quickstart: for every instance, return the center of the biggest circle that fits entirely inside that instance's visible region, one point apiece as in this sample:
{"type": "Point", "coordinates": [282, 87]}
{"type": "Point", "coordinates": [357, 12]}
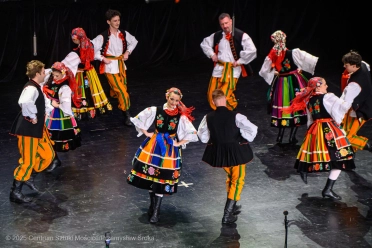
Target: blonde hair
{"type": "Point", "coordinates": [217, 94]}
{"type": "Point", "coordinates": [33, 67]}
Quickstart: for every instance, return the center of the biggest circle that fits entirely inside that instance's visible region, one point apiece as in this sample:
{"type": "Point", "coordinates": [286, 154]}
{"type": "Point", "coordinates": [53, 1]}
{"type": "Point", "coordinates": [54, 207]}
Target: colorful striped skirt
{"type": "Point", "coordinates": [63, 130]}
{"type": "Point", "coordinates": [156, 165]}
{"type": "Point", "coordinates": [325, 147]}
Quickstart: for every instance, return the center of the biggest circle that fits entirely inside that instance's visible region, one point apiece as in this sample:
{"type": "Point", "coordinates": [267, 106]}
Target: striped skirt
{"type": "Point", "coordinates": [325, 147]}
{"type": "Point", "coordinates": [63, 130]}
{"type": "Point", "coordinates": [156, 165]}
{"type": "Point", "coordinates": [92, 94]}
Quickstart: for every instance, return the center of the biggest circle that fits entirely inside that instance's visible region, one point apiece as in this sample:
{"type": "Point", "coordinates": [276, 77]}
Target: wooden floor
{"type": "Point", "coordinates": [88, 195]}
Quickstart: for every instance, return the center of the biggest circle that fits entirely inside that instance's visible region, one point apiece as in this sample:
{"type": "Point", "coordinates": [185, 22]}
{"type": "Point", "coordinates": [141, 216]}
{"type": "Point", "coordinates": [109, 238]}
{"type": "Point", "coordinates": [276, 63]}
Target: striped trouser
{"type": "Point", "coordinates": [351, 125]}
{"type": "Point", "coordinates": [36, 155]}
{"type": "Point", "coordinates": [119, 87]}
{"type": "Point", "coordinates": [235, 181]}
{"type": "Point", "coordinates": [215, 83]}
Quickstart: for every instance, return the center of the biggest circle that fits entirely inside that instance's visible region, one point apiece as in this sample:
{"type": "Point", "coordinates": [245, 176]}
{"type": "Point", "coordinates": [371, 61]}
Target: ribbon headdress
{"type": "Point", "coordinates": [85, 48]}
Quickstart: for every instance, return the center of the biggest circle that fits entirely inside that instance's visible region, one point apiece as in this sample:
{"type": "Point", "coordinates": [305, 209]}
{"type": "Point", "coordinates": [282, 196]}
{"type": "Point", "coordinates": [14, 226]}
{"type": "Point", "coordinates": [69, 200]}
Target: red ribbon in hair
{"type": "Point", "coordinates": [86, 48]}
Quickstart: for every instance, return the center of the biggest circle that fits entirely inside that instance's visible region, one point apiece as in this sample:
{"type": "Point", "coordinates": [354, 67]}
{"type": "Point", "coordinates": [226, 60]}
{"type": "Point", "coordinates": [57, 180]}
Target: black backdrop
{"type": "Point", "coordinates": [170, 32]}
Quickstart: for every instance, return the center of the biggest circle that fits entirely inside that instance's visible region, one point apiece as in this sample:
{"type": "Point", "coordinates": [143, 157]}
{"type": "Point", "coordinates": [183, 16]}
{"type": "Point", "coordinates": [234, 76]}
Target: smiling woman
{"type": "Point", "coordinates": [158, 161]}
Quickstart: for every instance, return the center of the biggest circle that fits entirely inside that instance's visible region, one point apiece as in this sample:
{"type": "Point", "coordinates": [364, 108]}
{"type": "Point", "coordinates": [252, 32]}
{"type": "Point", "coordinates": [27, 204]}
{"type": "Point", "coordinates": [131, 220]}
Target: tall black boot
{"type": "Point", "coordinates": [16, 194]}
{"type": "Point", "coordinates": [236, 209]}
{"type": "Point", "coordinates": [155, 216]}
{"type": "Point", "coordinates": [328, 192]}
{"type": "Point", "coordinates": [152, 204]}
{"type": "Point", "coordinates": [279, 138]}
{"type": "Point", "coordinates": [303, 176]}
{"type": "Point", "coordinates": [54, 164]}
{"type": "Point", "coordinates": [127, 121]}
{"type": "Point", "coordinates": [30, 183]}
{"type": "Point", "coordinates": [292, 136]}
{"type": "Point", "coordinates": [228, 215]}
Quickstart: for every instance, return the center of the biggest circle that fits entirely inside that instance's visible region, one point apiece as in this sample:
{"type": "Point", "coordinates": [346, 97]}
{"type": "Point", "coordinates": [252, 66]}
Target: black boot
{"type": "Point", "coordinates": [328, 192]}
{"type": "Point", "coordinates": [152, 204]}
{"type": "Point", "coordinates": [54, 164]}
{"type": "Point", "coordinates": [127, 121]}
{"type": "Point", "coordinates": [236, 209]}
{"type": "Point", "coordinates": [303, 176]}
{"type": "Point", "coordinates": [16, 194]}
{"type": "Point", "coordinates": [228, 215]}
{"type": "Point", "coordinates": [30, 183]}
{"type": "Point", "coordinates": [368, 146]}
{"type": "Point", "coordinates": [292, 136]}
{"type": "Point", "coordinates": [155, 216]}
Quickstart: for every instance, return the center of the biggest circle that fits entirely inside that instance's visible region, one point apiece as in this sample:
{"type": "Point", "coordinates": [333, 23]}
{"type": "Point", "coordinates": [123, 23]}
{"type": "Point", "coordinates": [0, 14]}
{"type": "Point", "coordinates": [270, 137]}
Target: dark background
{"type": "Point", "coordinates": [171, 33]}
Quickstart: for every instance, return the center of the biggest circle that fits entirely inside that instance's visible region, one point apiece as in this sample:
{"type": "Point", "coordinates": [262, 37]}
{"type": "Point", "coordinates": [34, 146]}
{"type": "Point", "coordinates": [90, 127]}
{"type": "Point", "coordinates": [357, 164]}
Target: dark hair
{"type": "Point", "coordinates": [111, 13]}
{"type": "Point", "coordinates": [33, 67]}
{"type": "Point", "coordinates": [223, 15]}
{"type": "Point", "coordinates": [352, 58]}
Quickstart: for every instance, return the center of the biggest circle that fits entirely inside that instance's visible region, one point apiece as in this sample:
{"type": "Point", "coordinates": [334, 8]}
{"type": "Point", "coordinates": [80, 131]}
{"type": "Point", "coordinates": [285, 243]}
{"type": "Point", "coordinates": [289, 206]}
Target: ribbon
{"type": "Point", "coordinates": [162, 143]}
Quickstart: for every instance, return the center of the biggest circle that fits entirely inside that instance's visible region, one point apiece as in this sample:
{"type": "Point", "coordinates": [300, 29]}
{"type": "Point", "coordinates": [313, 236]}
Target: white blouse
{"type": "Point", "coordinates": [303, 60]}
{"type": "Point", "coordinates": [247, 129]}
{"type": "Point", "coordinates": [335, 106]}
{"type": "Point", "coordinates": [64, 95]}
{"type": "Point", "coordinates": [248, 53]}
{"type": "Point", "coordinates": [185, 130]}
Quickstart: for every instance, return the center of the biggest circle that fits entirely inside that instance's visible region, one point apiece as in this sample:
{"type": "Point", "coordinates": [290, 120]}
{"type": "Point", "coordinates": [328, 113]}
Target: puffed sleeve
{"type": "Point", "coordinates": [144, 119]}
{"type": "Point", "coordinates": [266, 72]}
{"type": "Point", "coordinates": [247, 129]}
{"type": "Point", "coordinates": [207, 46]}
{"type": "Point", "coordinates": [336, 107]}
{"type": "Point", "coordinates": [27, 101]}
{"type": "Point", "coordinates": [249, 51]}
{"type": "Point", "coordinates": [64, 95]}
{"type": "Point", "coordinates": [305, 61]}
{"type": "Point", "coordinates": [72, 61]}
{"type": "Point", "coordinates": [186, 131]}
{"type": "Point", "coordinates": [203, 131]}
{"type": "Point", "coordinates": [97, 43]}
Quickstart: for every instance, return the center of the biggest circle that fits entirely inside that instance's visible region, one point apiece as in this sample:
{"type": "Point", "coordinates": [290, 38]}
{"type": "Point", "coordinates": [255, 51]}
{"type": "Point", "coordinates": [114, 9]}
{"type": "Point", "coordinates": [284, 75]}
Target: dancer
{"type": "Point", "coordinates": [325, 146]}
{"type": "Point", "coordinates": [89, 86]}
{"type": "Point", "coordinates": [229, 49]}
{"type": "Point", "coordinates": [34, 144]}
{"type": "Point", "coordinates": [228, 135]}
{"type": "Point", "coordinates": [282, 70]}
{"type": "Point", "coordinates": [60, 89]}
{"type": "Point", "coordinates": [357, 77]}
{"type": "Point", "coordinates": [158, 161]}
{"type": "Point", "coordinates": [113, 47]}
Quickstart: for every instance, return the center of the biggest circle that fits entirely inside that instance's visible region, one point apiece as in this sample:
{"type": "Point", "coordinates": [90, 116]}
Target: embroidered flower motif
{"type": "Point", "coordinates": [327, 166]}
{"type": "Point", "coordinates": [130, 178]}
{"type": "Point", "coordinates": [144, 168]}
{"type": "Point", "coordinates": [151, 170]}
{"type": "Point", "coordinates": [159, 121]}
{"type": "Point", "coordinates": [172, 124]}
{"type": "Point", "coordinates": [284, 122]}
{"type": "Point", "coordinates": [316, 167]}
{"type": "Point", "coordinates": [329, 136]}
{"type": "Point", "coordinates": [175, 174]}
{"type": "Point", "coordinates": [167, 188]}
{"type": "Point", "coordinates": [157, 172]}
{"type": "Point", "coordinates": [343, 152]}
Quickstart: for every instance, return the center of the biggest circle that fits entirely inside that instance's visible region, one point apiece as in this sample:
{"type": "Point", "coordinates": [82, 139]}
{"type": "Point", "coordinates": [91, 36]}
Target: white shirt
{"type": "Point", "coordinates": [27, 101]}
{"type": "Point", "coordinates": [248, 53]}
{"type": "Point", "coordinates": [303, 60]}
{"type": "Point", "coordinates": [115, 48]}
{"type": "Point", "coordinates": [185, 130]}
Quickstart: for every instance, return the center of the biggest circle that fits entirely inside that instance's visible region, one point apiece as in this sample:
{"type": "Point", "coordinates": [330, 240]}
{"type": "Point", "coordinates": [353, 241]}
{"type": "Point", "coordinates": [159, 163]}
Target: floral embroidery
{"type": "Point", "coordinates": [172, 124]}
{"type": "Point", "coordinates": [315, 109]}
{"type": "Point", "coordinates": [327, 167]}
{"type": "Point", "coordinates": [157, 172]}
{"type": "Point", "coordinates": [286, 64]}
{"type": "Point", "coordinates": [274, 122]}
{"type": "Point", "coordinates": [317, 167]}
{"type": "Point", "coordinates": [167, 188]}
{"type": "Point", "coordinates": [145, 168]}
{"type": "Point", "coordinates": [159, 121]}
{"type": "Point", "coordinates": [130, 178]}
{"type": "Point", "coordinates": [285, 123]}
{"type": "Point", "coordinates": [151, 171]}
{"type": "Point", "coordinates": [175, 174]}
{"type": "Point", "coordinates": [343, 152]}
{"type": "Point", "coordinates": [329, 137]}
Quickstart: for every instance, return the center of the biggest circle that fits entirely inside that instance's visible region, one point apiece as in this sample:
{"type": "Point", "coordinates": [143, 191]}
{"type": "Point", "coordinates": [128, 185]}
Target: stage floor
{"type": "Point", "coordinates": [88, 195]}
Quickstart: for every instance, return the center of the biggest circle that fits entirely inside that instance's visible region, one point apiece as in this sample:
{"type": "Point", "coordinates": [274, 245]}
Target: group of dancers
{"type": "Point", "coordinates": [55, 99]}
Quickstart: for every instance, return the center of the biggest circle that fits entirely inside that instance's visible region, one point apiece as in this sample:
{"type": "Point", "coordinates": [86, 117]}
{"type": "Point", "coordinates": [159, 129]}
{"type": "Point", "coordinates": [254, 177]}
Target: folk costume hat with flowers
{"type": "Point", "coordinates": [277, 53]}
{"type": "Point", "coordinates": [181, 108]}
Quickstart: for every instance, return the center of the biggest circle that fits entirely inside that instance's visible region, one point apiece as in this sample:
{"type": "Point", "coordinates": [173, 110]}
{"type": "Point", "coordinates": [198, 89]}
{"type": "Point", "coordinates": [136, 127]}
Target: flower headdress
{"type": "Point", "coordinates": [180, 107]}
{"type": "Point", "coordinates": [277, 53]}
